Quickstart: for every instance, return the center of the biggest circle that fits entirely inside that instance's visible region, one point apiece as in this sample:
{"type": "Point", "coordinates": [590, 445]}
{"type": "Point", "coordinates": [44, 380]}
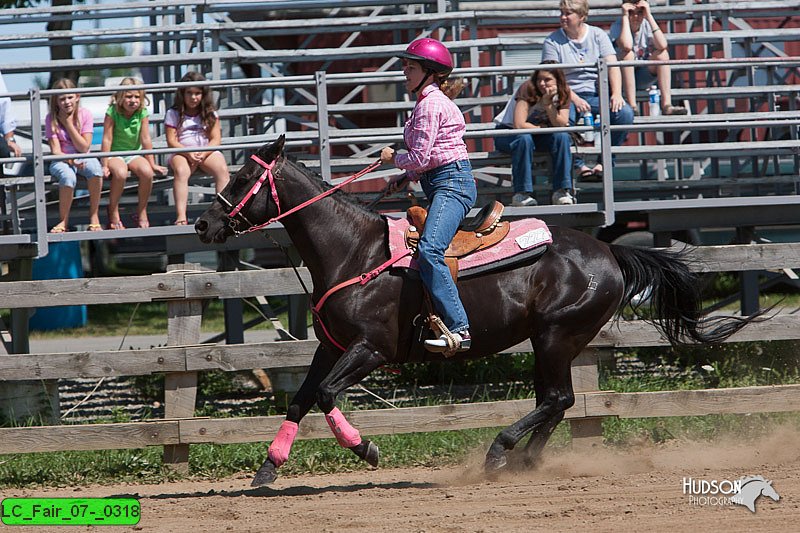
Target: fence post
{"type": "Point", "coordinates": [320, 82]}
{"type": "Point", "coordinates": [180, 388]}
{"type": "Point", "coordinates": [586, 432]}
{"type": "Point", "coordinates": [38, 173]}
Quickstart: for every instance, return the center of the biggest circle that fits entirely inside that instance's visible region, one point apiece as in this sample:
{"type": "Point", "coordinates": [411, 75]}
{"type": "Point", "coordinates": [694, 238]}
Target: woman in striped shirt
{"type": "Point", "coordinates": [437, 157]}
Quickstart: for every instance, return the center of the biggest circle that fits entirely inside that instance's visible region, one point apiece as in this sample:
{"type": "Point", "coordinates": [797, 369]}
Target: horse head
{"type": "Point", "coordinates": [239, 206]}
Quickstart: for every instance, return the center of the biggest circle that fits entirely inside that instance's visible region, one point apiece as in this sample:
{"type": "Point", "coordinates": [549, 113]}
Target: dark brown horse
{"type": "Point", "coordinates": [559, 302]}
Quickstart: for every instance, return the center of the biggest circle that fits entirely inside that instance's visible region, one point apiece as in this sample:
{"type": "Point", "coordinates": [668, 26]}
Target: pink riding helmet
{"type": "Point", "coordinates": [431, 54]}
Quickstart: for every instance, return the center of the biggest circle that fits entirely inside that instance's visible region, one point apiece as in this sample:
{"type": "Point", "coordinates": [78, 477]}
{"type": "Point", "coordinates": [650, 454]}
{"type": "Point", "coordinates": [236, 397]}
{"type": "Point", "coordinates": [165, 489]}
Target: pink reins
{"type": "Point", "coordinates": [267, 174]}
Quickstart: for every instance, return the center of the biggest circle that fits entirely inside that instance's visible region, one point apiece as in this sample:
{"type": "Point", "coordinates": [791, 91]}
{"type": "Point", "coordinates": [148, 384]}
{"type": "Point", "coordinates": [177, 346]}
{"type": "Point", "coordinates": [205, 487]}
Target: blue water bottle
{"type": "Point", "coordinates": [588, 120]}
{"type": "Point", "coordinates": [655, 101]}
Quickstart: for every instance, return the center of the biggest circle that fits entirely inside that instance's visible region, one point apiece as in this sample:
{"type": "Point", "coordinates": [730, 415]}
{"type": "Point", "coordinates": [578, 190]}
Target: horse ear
{"type": "Point", "coordinates": [271, 152]}
{"type": "Point", "coordinates": [277, 146]}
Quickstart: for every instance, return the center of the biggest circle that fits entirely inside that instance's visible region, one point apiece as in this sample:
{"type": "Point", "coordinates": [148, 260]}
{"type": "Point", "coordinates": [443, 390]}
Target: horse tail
{"type": "Point", "coordinates": [675, 296]}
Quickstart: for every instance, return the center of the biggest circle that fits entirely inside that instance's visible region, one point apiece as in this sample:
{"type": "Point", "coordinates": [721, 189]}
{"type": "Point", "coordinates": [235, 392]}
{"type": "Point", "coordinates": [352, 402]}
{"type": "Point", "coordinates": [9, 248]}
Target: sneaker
{"type": "Point", "coordinates": [562, 197]}
{"type": "Point", "coordinates": [522, 199]}
{"type": "Point", "coordinates": [440, 344]}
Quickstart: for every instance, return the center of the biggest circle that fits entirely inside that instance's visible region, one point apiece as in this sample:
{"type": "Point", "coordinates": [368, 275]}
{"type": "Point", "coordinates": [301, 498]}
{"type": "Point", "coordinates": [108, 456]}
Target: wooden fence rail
{"type": "Point", "coordinates": [183, 289]}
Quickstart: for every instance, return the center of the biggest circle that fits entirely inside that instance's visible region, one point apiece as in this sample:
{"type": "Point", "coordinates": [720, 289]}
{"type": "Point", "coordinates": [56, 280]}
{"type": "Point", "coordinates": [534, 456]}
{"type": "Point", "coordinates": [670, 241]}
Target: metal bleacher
{"type": "Point", "coordinates": [734, 161]}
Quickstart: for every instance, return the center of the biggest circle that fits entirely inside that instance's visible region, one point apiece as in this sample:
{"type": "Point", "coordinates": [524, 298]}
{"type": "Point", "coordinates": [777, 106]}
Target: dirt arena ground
{"type": "Point", "coordinates": [597, 490]}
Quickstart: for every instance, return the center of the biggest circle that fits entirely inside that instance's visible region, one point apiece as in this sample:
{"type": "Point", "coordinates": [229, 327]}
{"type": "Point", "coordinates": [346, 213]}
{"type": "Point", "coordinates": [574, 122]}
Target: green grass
{"type": "Point", "coordinates": [148, 319]}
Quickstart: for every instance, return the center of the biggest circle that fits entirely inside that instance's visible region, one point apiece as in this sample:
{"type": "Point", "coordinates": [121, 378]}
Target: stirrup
{"type": "Point", "coordinates": [449, 343]}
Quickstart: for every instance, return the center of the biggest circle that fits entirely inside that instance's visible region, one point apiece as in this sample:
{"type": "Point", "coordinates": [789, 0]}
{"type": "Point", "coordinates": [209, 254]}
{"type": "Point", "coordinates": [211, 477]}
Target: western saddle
{"type": "Point", "coordinates": [480, 232]}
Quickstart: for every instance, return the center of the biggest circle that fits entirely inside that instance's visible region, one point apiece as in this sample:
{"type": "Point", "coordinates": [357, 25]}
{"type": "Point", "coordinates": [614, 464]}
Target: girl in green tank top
{"type": "Point", "coordinates": [126, 129]}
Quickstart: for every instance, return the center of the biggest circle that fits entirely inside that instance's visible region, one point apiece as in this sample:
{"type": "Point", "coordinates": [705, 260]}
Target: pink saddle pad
{"type": "Point", "coordinates": [524, 235]}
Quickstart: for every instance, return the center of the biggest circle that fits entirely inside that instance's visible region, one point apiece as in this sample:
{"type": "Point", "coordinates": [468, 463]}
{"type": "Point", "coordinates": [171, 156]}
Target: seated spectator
{"type": "Point", "coordinates": [68, 129]}
{"type": "Point", "coordinates": [542, 101]}
{"type": "Point", "coordinates": [578, 42]}
{"type": "Point", "coordinates": [193, 121]}
{"type": "Point", "coordinates": [8, 143]}
{"type": "Point", "coordinates": [127, 128]}
{"type": "Point", "coordinates": [638, 37]}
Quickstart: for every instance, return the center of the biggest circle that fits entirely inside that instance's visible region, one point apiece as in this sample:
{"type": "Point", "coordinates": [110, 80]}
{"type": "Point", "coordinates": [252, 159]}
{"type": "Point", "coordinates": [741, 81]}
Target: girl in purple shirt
{"type": "Point", "coordinates": [193, 121]}
{"type": "Point", "coordinates": [437, 157]}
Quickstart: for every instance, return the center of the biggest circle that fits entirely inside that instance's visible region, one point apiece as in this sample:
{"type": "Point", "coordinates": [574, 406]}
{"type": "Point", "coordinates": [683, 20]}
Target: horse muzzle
{"type": "Point", "coordinates": [209, 232]}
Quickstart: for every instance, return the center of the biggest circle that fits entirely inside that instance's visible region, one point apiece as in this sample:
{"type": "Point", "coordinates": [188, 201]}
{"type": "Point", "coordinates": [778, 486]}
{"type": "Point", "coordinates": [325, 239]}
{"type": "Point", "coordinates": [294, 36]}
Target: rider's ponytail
{"type": "Point", "coordinates": [451, 87]}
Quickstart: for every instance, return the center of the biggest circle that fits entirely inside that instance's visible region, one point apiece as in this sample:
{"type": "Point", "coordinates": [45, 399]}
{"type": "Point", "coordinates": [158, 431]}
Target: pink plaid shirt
{"type": "Point", "coordinates": [434, 135]}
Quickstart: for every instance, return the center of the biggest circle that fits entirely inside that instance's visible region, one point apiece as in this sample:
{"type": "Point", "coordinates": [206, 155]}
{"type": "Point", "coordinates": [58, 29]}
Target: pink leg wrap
{"type": "Point", "coordinates": [346, 435]}
{"type": "Point", "coordinates": [282, 445]}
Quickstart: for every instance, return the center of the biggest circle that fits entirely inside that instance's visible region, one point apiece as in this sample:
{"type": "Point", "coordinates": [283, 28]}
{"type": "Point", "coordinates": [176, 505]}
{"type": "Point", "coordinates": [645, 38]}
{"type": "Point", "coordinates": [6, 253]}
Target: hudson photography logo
{"type": "Point", "coordinates": [744, 491]}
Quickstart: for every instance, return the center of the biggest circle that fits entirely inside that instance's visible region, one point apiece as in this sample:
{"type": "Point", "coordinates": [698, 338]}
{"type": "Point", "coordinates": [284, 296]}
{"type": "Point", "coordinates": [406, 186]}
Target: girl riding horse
{"type": "Point", "coordinates": [437, 157]}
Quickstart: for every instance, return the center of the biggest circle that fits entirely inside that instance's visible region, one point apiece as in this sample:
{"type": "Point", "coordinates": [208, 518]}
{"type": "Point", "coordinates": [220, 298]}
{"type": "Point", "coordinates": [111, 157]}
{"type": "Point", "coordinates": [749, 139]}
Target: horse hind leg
{"type": "Point", "coordinates": [553, 387]}
{"type": "Point", "coordinates": [538, 438]}
{"type": "Point", "coordinates": [541, 421]}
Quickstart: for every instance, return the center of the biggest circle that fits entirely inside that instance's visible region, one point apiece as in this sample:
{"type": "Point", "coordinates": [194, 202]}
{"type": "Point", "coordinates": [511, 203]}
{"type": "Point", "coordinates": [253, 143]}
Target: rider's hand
{"type": "Point", "coordinates": [387, 155]}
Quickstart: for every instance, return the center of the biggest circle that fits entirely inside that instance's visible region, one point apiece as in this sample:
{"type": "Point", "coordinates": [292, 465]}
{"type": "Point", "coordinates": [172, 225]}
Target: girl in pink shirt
{"type": "Point", "coordinates": [437, 157]}
{"type": "Point", "coordinates": [68, 129]}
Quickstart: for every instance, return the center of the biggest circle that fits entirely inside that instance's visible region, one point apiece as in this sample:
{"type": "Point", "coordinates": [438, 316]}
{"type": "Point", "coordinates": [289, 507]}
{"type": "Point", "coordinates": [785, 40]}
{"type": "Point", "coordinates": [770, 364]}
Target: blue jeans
{"type": "Point", "coordinates": [623, 116]}
{"type": "Point", "coordinates": [67, 175]}
{"type": "Point", "coordinates": [521, 148]}
{"type": "Point", "coordinates": [451, 192]}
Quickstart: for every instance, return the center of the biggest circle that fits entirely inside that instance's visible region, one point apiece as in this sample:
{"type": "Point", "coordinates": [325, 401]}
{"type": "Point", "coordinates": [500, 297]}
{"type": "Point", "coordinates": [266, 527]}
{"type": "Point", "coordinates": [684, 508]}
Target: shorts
{"type": "Point", "coordinates": [169, 158]}
{"type": "Point", "coordinates": [126, 158]}
{"type": "Point", "coordinates": [67, 175]}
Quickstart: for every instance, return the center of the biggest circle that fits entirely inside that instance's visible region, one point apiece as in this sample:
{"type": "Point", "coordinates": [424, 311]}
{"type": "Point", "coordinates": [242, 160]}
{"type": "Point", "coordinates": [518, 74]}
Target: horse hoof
{"type": "Point", "coordinates": [373, 455]}
{"type": "Point", "coordinates": [265, 475]}
{"type": "Point", "coordinates": [494, 464]}
{"type": "Point", "coordinates": [368, 451]}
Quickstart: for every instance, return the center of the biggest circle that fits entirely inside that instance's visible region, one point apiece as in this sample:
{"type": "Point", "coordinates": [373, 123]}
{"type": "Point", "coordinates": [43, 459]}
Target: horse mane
{"type": "Point", "coordinates": [340, 194]}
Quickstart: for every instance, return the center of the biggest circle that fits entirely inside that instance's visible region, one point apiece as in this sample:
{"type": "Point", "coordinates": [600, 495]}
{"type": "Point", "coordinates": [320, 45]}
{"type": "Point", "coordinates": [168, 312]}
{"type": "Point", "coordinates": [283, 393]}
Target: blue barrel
{"type": "Point", "coordinates": [62, 262]}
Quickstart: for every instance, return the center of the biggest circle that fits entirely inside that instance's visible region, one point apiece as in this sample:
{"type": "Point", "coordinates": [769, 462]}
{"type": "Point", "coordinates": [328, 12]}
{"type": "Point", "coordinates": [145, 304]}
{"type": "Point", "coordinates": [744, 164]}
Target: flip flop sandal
{"type": "Point", "coordinates": [94, 227]}
{"type": "Point", "coordinates": [675, 110]}
{"type": "Point", "coordinates": [116, 225]}
{"type": "Point", "coordinates": [141, 223]}
{"type": "Point", "coordinates": [589, 175]}
{"type": "Point", "coordinates": [58, 228]}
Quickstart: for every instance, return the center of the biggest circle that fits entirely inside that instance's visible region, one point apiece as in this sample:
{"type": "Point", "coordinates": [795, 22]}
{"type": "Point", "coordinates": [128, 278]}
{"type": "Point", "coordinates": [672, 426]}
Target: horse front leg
{"type": "Point", "coordinates": [358, 361]}
{"type": "Point", "coordinates": [301, 403]}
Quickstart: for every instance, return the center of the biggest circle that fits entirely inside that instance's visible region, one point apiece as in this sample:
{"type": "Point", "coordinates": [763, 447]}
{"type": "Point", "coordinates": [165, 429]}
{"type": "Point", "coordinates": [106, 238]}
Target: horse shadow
{"type": "Point", "coordinates": [301, 490]}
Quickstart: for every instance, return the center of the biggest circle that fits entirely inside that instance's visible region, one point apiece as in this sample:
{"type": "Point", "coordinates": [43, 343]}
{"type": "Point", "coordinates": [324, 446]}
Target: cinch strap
{"type": "Point", "coordinates": [363, 279]}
